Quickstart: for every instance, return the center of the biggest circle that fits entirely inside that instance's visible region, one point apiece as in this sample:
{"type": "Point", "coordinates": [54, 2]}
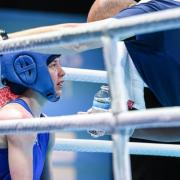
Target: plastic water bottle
{"type": "Point", "coordinates": [101, 103]}
{"type": "Point", "coordinates": [102, 100]}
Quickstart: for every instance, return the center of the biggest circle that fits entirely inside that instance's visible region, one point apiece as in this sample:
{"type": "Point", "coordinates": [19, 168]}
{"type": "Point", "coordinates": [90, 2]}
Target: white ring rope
{"type": "Point", "coordinates": [163, 117]}
{"type": "Point", "coordinates": [104, 146]}
{"type": "Point", "coordinates": [61, 40]}
{"type": "Point", "coordinates": [126, 27]}
{"type": "Point", "coordinates": [85, 75]}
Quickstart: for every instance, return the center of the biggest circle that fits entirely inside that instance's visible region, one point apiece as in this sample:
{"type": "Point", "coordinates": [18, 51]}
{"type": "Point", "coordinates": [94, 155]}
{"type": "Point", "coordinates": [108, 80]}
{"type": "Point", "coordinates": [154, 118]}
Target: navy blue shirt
{"type": "Point", "coordinates": [157, 55]}
{"type": "Point", "coordinates": [39, 152]}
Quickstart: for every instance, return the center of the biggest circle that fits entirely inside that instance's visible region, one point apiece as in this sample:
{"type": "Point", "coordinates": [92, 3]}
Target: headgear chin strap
{"type": "Point", "coordinates": [29, 69]}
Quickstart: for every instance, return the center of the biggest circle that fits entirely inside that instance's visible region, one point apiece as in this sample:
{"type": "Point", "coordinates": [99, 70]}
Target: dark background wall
{"type": "Point", "coordinates": [69, 6]}
{"type": "Point", "coordinates": [64, 6]}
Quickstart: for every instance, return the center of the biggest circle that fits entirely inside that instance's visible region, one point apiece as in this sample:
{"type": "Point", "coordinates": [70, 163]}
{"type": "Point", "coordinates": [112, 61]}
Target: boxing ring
{"type": "Point", "coordinates": [119, 122]}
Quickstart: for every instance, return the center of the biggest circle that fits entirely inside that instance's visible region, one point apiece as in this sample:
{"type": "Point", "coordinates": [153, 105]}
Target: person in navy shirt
{"type": "Point", "coordinates": [156, 57]}
{"type": "Point", "coordinates": [30, 80]}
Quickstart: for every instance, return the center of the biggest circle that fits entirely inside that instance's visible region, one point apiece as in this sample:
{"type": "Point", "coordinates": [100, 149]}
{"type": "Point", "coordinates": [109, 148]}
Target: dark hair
{"type": "Point", "coordinates": [52, 58]}
{"type": "Point", "coordinates": [16, 88]}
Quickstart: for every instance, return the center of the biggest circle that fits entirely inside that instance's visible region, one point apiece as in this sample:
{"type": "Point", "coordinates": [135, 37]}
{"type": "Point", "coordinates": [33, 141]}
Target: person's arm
{"type": "Point", "coordinates": [100, 10]}
{"type": "Point", "coordinates": [158, 134]}
{"type": "Point", "coordinates": [20, 155]}
{"type": "Point", "coordinates": [103, 9]}
{"type": "Point", "coordinates": [20, 147]}
{"type": "Point", "coordinates": [62, 49]}
{"type": "Point", "coordinates": [47, 169]}
{"type": "Point", "coordinates": [43, 29]}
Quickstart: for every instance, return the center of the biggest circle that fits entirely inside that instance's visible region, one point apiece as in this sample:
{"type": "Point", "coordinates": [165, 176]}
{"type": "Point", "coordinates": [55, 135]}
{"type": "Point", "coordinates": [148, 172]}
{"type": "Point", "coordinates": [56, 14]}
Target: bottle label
{"type": "Point", "coordinates": [101, 105]}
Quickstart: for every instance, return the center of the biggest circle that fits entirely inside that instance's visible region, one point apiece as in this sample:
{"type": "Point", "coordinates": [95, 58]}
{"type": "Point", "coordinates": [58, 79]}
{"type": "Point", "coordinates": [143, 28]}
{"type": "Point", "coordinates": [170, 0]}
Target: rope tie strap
{"type": "Point", "coordinates": [3, 34]}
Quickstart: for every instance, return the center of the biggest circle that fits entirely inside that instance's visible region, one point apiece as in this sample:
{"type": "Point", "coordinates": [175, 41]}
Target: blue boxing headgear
{"type": "Point", "coordinates": [30, 70]}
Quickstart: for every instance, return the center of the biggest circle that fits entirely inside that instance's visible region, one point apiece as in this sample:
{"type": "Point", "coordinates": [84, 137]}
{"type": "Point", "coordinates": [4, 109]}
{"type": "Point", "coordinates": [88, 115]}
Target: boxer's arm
{"type": "Point", "coordinates": [20, 155]}
{"type": "Point", "coordinates": [20, 147]}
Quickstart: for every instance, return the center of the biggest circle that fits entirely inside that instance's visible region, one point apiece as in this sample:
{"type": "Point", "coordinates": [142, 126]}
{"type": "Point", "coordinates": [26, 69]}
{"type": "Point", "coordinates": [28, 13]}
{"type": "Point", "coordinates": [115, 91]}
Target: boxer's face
{"type": "Point", "coordinates": [57, 74]}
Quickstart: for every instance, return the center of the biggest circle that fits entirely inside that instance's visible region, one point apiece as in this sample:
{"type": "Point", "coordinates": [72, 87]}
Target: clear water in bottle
{"type": "Point", "coordinates": [101, 103]}
{"type": "Point", "coordinates": [102, 99]}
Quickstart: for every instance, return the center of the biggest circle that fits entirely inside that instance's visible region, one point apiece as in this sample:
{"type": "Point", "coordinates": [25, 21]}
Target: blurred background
{"type": "Point", "coordinates": [19, 15]}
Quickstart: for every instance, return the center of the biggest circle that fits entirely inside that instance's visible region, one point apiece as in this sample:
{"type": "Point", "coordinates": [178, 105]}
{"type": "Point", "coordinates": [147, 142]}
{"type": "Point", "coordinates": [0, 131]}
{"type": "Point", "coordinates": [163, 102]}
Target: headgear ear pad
{"type": "Point", "coordinates": [30, 70]}
{"type": "Point", "coordinates": [25, 68]}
